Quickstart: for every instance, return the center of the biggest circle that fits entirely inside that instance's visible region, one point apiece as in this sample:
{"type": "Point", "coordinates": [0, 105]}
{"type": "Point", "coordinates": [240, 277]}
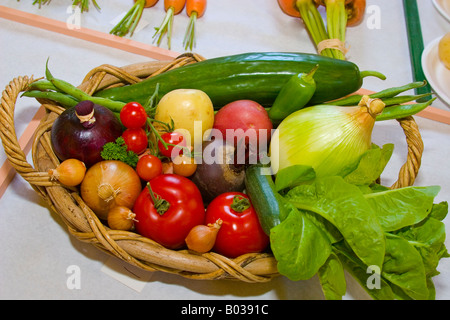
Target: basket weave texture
{"type": "Point", "coordinates": [83, 224]}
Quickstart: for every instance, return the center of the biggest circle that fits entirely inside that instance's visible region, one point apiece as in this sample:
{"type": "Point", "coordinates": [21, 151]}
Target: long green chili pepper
{"type": "Point", "coordinates": [403, 110]}
{"type": "Point", "coordinates": [294, 95]}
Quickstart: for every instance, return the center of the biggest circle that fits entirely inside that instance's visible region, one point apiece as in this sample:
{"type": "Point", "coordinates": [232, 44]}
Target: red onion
{"type": "Point", "coordinates": [82, 131]}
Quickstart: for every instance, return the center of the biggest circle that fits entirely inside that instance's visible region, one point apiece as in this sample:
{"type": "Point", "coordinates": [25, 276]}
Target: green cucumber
{"type": "Point", "coordinates": [255, 76]}
{"type": "Point", "coordinates": [267, 203]}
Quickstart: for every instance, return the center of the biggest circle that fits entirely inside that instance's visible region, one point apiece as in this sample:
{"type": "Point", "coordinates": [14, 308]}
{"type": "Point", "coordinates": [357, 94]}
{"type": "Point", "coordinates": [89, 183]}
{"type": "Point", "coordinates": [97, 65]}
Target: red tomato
{"type": "Point", "coordinates": [185, 210]}
{"type": "Point", "coordinates": [148, 167]}
{"type": "Point", "coordinates": [174, 138]}
{"type": "Point", "coordinates": [133, 115]}
{"type": "Point", "coordinates": [241, 231]}
{"type": "Point", "coordinates": [135, 139]}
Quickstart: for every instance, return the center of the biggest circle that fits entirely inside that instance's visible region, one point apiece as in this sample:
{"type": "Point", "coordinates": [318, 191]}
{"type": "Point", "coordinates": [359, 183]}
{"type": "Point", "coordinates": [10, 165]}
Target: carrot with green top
{"type": "Point", "coordinates": [307, 11]}
{"type": "Point", "coordinates": [339, 14]}
{"type": "Point", "coordinates": [172, 8]}
{"type": "Point", "coordinates": [194, 9]}
{"type": "Point", "coordinates": [355, 12]}
{"type": "Point", "coordinates": [131, 19]}
{"type": "Point", "coordinates": [83, 4]}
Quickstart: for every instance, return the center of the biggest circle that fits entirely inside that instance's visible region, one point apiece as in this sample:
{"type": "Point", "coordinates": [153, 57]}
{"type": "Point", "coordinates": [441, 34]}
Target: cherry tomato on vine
{"type": "Point", "coordinates": [167, 209]}
{"type": "Point", "coordinates": [133, 115]}
{"type": "Point", "coordinates": [148, 167]}
{"type": "Point", "coordinates": [241, 231]}
{"type": "Point", "coordinates": [175, 138]}
{"type": "Point", "coordinates": [135, 139]}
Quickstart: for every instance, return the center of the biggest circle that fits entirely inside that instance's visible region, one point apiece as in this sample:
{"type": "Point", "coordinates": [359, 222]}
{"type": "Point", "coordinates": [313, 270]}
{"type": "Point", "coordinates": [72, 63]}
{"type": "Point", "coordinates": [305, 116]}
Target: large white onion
{"type": "Point", "coordinates": [326, 137]}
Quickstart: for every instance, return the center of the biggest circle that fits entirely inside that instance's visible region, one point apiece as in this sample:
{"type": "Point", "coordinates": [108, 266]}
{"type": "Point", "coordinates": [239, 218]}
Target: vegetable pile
{"type": "Point", "coordinates": [263, 162]}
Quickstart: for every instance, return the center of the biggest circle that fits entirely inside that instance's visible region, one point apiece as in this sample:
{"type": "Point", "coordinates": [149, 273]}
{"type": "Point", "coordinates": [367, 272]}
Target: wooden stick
{"type": "Point", "coordinates": [435, 114]}
{"type": "Point", "coordinates": [94, 36]}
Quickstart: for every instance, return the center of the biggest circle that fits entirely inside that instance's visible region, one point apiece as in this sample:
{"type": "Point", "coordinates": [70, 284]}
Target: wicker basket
{"type": "Point", "coordinates": [142, 252]}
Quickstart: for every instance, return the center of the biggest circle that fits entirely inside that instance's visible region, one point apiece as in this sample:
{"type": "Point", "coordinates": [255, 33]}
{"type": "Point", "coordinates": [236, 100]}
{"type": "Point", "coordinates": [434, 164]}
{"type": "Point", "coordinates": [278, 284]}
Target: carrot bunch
{"type": "Point", "coordinates": [83, 4]}
{"type": "Point", "coordinates": [41, 2]}
{"type": "Point", "coordinates": [194, 9]}
{"type": "Point", "coordinates": [172, 8]}
{"type": "Point", "coordinates": [131, 19]}
{"type": "Point", "coordinates": [340, 14]}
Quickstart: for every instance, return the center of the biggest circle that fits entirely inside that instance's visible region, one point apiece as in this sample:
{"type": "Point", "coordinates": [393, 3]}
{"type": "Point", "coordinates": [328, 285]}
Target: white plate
{"type": "Point", "coordinates": [438, 76]}
{"type": "Point", "coordinates": [443, 6]}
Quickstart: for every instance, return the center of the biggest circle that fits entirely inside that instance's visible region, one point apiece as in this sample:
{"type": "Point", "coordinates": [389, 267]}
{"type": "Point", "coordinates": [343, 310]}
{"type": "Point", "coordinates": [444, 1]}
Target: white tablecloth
{"type": "Point", "coordinates": [36, 249]}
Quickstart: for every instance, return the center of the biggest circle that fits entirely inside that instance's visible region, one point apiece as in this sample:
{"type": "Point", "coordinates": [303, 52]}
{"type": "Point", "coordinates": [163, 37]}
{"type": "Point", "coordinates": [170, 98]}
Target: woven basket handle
{"type": "Point", "coordinates": [410, 169]}
{"type": "Point", "coordinates": [8, 135]}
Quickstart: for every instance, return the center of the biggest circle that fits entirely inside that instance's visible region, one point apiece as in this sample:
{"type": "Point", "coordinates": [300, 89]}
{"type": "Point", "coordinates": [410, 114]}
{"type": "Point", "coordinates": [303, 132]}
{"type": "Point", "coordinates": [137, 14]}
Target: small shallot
{"type": "Point", "coordinates": [201, 238]}
{"type": "Point", "coordinates": [121, 218]}
{"type": "Point", "coordinates": [70, 172]}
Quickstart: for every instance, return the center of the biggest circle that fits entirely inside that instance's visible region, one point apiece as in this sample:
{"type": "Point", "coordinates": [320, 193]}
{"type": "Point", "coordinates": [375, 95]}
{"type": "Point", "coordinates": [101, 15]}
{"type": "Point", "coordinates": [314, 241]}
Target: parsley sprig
{"type": "Point", "coordinates": [118, 151]}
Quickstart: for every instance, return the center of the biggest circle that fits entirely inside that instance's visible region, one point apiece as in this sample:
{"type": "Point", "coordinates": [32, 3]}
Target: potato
{"type": "Point", "coordinates": [444, 50]}
{"type": "Point", "coordinates": [185, 107]}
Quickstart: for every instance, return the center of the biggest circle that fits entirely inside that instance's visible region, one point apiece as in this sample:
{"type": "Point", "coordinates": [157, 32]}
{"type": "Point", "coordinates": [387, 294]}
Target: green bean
{"type": "Point", "coordinates": [353, 100]}
{"type": "Point", "coordinates": [80, 95]}
{"type": "Point", "coordinates": [392, 92]}
{"type": "Point", "coordinates": [404, 99]}
{"type": "Point", "coordinates": [61, 98]}
{"type": "Point", "coordinates": [403, 110]}
{"type": "Point", "coordinates": [42, 85]}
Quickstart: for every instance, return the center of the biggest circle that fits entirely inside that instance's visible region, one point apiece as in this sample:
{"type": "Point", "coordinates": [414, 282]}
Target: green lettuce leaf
{"type": "Point", "coordinates": [344, 205]}
{"type": "Point", "coordinates": [371, 165]}
{"type": "Point", "coordinates": [332, 278]}
{"type": "Point", "coordinates": [402, 207]}
{"type": "Point", "coordinates": [292, 176]}
{"type": "Point", "coordinates": [299, 247]}
{"type": "Point", "coordinates": [403, 267]}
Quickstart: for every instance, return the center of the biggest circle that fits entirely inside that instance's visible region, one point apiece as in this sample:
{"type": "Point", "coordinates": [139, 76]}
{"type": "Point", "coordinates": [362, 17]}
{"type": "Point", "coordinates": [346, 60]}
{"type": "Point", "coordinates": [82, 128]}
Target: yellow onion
{"type": "Point", "coordinates": [110, 183]}
{"type": "Point", "coordinates": [326, 137]}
